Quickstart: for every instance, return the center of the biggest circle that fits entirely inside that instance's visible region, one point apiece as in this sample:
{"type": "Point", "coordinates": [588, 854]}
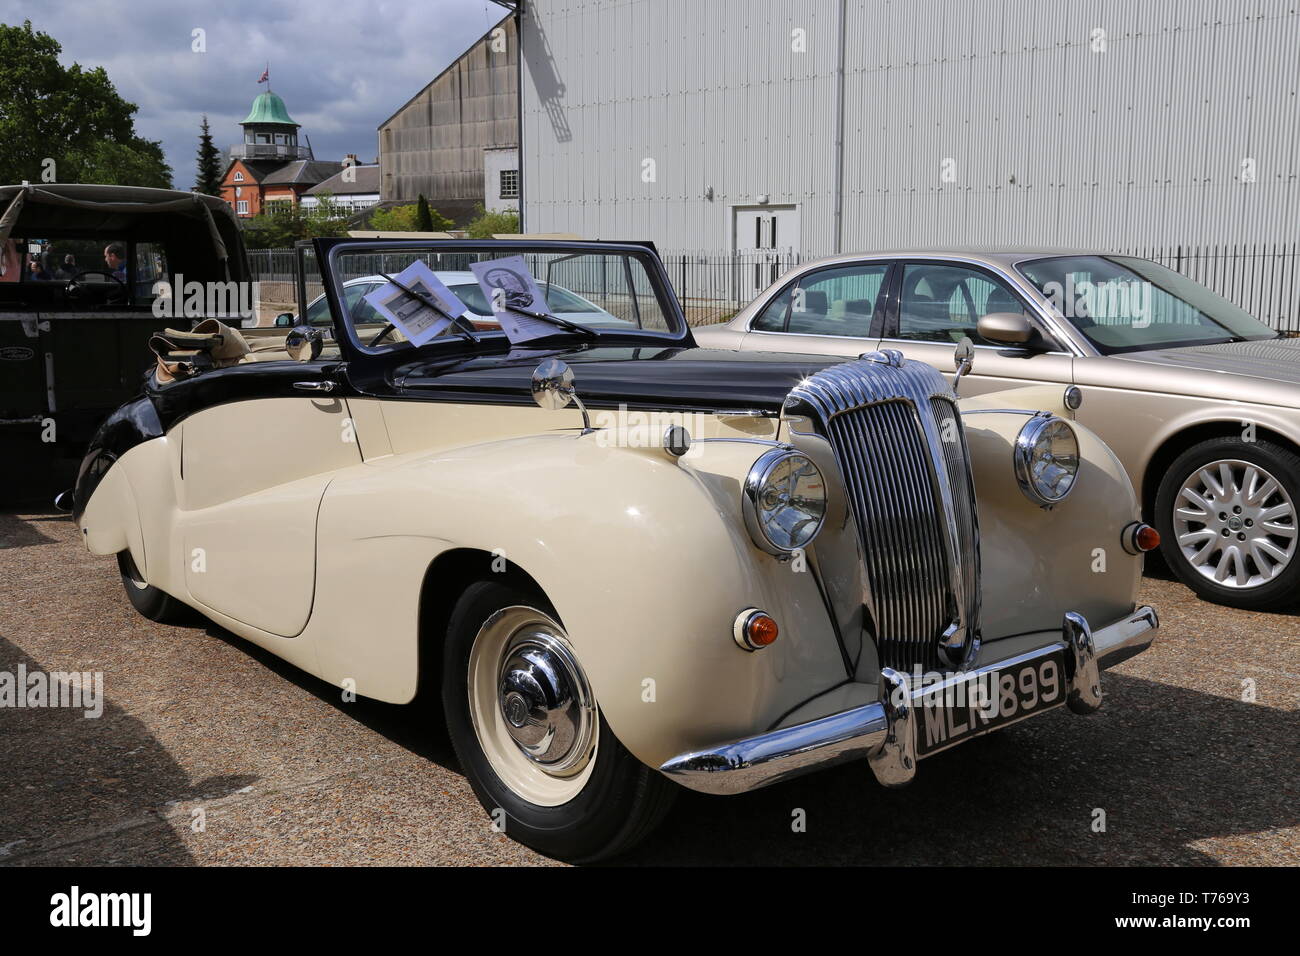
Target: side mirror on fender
{"type": "Point", "coordinates": [284, 320]}
{"type": "Point", "coordinates": [553, 388]}
{"type": "Point", "coordinates": [963, 360]}
{"type": "Point", "coordinates": [304, 343]}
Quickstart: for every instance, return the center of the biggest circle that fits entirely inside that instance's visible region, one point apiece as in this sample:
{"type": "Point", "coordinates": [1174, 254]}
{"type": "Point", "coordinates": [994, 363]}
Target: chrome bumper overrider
{"type": "Point", "coordinates": [885, 732]}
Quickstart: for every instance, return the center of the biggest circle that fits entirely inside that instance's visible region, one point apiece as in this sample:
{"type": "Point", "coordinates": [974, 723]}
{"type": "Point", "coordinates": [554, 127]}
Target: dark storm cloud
{"type": "Point", "coordinates": [342, 68]}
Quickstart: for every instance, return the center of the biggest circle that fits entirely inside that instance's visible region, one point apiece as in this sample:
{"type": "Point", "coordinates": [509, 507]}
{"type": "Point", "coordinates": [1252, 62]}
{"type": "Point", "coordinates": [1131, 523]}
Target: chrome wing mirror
{"type": "Point", "coordinates": [553, 388]}
{"type": "Point", "coordinates": [963, 360]}
{"type": "Point", "coordinates": [304, 343]}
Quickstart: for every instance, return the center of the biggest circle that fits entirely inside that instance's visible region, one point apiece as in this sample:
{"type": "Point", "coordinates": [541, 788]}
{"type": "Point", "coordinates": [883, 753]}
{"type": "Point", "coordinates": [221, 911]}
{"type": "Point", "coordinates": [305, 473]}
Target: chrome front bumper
{"type": "Point", "coordinates": [885, 732]}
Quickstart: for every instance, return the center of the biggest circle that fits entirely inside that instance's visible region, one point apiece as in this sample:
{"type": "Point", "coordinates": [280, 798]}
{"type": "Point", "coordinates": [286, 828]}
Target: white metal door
{"type": "Point", "coordinates": [765, 239]}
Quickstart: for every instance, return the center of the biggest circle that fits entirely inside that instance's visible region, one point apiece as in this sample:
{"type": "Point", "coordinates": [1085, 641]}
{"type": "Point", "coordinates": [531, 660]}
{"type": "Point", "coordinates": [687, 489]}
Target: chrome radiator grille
{"type": "Point", "coordinates": [898, 442]}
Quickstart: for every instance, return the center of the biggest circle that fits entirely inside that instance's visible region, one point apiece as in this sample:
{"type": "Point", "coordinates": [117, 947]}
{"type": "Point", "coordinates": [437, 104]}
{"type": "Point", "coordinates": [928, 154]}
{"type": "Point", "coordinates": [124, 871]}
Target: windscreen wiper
{"type": "Point", "coordinates": [459, 324]}
{"type": "Point", "coordinates": [554, 320]}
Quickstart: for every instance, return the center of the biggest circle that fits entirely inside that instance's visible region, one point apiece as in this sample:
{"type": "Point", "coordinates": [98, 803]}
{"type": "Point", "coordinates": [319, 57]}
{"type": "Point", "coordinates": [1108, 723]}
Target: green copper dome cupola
{"type": "Point", "coordinates": [269, 109]}
{"type": "Point", "coordinates": [270, 132]}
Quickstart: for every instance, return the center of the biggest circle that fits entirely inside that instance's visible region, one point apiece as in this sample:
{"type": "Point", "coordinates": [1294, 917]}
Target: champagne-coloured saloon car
{"type": "Point", "coordinates": [1196, 397]}
{"type": "Point", "coordinates": [627, 564]}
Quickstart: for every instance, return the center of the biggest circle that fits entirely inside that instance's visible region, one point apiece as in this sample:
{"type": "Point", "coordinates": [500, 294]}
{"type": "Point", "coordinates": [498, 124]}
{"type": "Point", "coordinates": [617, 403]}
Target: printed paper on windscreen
{"type": "Point", "coordinates": [412, 316]}
{"type": "Point", "coordinates": [509, 285]}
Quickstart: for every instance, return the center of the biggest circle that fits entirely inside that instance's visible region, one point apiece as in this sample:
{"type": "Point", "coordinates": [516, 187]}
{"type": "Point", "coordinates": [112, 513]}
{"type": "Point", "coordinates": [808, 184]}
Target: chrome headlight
{"type": "Point", "coordinates": [1047, 459]}
{"type": "Point", "coordinates": [784, 501]}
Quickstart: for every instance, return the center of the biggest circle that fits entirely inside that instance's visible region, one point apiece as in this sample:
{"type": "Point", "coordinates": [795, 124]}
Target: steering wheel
{"type": "Point", "coordinates": [386, 331]}
{"type": "Point", "coordinates": [74, 288]}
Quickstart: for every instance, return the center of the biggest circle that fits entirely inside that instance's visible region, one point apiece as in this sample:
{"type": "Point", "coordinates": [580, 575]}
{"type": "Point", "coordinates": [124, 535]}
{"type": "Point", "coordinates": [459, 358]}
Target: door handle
{"type": "Point", "coordinates": [314, 386]}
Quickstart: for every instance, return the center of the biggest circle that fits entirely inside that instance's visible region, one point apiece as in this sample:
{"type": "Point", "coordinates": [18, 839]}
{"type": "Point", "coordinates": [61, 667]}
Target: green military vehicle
{"type": "Point", "coordinates": [79, 273]}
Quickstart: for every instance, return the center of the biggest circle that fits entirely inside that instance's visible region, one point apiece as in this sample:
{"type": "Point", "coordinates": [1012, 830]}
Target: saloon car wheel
{"type": "Point", "coordinates": [153, 603]}
{"type": "Point", "coordinates": [530, 736]}
{"type": "Point", "coordinates": [1227, 516]}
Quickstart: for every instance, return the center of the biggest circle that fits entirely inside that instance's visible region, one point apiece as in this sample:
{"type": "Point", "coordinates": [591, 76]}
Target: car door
{"type": "Point", "coordinates": [935, 303]}
{"type": "Point", "coordinates": [255, 463]}
{"type": "Point", "coordinates": [836, 310]}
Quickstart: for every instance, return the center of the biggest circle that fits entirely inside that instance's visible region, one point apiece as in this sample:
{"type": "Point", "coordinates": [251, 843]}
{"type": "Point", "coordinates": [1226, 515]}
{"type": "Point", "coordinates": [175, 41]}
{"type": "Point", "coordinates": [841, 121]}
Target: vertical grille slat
{"type": "Point", "coordinates": [957, 460]}
{"type": "Point", "coordinates": [897, 438]}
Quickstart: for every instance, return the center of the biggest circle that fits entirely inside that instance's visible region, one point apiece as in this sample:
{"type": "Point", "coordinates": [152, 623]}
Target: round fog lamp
{"type": "Point", "coordinates": [1046, 459]}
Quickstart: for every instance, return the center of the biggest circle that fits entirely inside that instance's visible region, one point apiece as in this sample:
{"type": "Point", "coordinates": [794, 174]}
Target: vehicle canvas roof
{"type": "Point", "coordinates": [119, 212]}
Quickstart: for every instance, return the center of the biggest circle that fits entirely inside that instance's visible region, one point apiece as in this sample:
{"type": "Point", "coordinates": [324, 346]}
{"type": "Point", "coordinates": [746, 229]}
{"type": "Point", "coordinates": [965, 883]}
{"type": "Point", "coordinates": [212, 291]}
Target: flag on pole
{"type": "Point", "coordinates": [266, 75]}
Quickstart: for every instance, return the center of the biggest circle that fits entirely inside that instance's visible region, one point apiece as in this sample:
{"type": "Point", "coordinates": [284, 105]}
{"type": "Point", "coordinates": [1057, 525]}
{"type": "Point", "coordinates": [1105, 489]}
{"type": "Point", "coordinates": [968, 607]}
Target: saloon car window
{"type": "Point", "coordinates": [944, 303]}
{"type": "Point", "coordinates": [837, 301]}
{"type": "Point", "coordinates": [1126, 304]}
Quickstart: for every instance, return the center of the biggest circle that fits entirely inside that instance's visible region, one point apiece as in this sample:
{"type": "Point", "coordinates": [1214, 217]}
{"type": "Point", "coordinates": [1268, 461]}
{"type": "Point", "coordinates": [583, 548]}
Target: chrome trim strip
{"type": "Point", "coordinates": [768, 442]}
{"type": "Point", "coordinates": [988, 348]}
{"type": "Point", "coordinates": [885, 731]}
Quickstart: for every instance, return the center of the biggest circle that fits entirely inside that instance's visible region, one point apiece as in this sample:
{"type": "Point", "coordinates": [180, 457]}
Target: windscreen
{"type": "Point", "coordinates": [407, 294]}
{"type": "Point", "coordinates": [1126, 304]}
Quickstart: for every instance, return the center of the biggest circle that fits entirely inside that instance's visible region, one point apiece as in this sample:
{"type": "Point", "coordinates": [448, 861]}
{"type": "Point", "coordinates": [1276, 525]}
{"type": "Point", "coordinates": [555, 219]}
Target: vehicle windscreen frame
{"type": "Point", "coordinates": [328, 251]}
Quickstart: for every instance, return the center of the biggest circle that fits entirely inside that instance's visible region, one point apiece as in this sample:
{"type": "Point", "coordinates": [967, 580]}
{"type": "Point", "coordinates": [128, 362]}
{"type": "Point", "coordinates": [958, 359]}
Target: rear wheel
{"type": "Point", "coordinates": [530, 736]}
{"type": "Point", "coordinates": [153, 603]}
{"type": "Point", "coordinates": [1227, 515]}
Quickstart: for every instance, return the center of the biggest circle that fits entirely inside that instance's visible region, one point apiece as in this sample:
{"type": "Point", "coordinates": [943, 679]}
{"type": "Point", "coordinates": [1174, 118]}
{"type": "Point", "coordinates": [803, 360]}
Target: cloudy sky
{"type": "Point", "coordinates": [342, 68]}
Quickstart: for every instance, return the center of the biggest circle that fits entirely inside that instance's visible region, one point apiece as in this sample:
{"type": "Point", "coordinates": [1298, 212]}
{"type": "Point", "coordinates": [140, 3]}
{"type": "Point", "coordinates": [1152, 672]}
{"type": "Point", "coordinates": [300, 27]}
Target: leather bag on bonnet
{"type": "Point", "coordinates": [210, 344]}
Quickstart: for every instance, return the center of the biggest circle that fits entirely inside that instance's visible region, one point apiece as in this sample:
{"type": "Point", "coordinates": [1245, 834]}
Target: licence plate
{"type": "Point", "coordinates": [964, 707]}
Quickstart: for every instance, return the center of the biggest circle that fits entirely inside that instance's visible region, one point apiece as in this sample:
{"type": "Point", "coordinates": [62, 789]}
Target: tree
{"type": "Point", "coordinates": [407, 219]}
{"type": "Point", "coordinates": [285, 223]}
{"type": "Point", "coordinates": [119, 164]}
{"type": "Point", "coordinates": [394, 219]}
{"type": "Point", "coordinates": [67, 124]}
{"type": "Point", "coordinates": [486, 224]}
{"type": "Point", "coordinates": [423, 220]}
{"type": "Point", "coordinates": [210, 170]}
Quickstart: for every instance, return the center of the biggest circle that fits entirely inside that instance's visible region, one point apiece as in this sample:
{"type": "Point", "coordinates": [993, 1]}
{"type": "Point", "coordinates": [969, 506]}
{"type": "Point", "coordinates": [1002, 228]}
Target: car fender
{"type": "Point", "coordinates": [1263, 418]}
{"type": "Point", "coordinates": [645, 560]}
{"type": "Point", "coordinates": [1037, 563]}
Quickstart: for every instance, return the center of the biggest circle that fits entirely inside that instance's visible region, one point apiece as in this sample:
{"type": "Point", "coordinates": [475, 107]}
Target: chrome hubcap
{"type": "Point", "coordinates": [546, 703]}
{"type": "Point", "coordinates": [1235, 524]}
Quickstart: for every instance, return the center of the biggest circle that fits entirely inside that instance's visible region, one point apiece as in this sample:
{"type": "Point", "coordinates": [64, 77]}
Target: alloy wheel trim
{"type": "Point", "coordinates": [1235, 524]}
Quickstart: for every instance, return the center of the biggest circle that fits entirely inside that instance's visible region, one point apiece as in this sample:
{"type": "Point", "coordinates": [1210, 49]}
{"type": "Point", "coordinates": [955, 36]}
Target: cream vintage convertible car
{"type": "Point", "coordinates": [625, 563]}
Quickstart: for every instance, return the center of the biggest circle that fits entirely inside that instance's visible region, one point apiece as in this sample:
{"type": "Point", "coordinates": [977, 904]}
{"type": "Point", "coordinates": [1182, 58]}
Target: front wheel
{"type": "Point", "coordinates": [154, 603]}
{"type": "Point", "coordinates": [1227, 515]}
{"type": "Point", "coordinates": [530, 737]}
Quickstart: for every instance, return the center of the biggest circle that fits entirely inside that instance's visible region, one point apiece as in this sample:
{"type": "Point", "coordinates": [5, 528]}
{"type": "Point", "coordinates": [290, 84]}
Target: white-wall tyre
{"type": "Point", "coordinates": [559, 782]}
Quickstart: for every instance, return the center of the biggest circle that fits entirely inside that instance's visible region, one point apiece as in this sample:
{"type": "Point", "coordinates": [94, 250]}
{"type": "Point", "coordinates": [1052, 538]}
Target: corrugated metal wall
{"type": "Point", "coordinates": [434, 144]}
{"type": "Point", "coordinates": [1057, 135]}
